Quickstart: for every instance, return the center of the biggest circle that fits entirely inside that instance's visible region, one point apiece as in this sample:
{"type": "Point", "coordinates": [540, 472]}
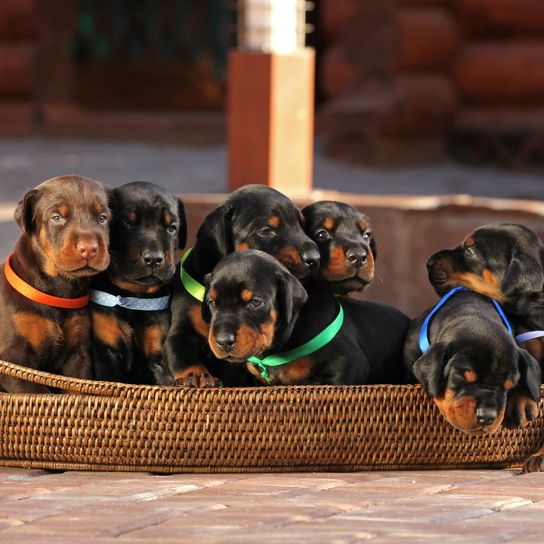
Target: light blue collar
{"type": "Point", "coordinates": [130, 303]}
{"type": "Point", "coordinates": [424, 334]}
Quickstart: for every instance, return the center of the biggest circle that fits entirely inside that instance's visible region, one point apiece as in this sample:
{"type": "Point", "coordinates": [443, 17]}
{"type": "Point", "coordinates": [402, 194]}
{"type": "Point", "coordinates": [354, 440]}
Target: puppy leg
{"type": "Point", "coordinates": [520, 409]}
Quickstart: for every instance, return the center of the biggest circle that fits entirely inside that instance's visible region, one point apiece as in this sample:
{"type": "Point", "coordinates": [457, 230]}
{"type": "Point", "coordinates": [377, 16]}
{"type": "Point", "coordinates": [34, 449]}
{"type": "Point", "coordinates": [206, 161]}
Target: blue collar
{"type": "Point", "coordinates": [424, 335]}
{"type": "Point", "coordinates": [130, 303]}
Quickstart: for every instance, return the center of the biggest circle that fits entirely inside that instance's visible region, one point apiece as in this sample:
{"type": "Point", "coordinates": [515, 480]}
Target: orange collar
{"type": "Point", "coordinates": [37, 296]}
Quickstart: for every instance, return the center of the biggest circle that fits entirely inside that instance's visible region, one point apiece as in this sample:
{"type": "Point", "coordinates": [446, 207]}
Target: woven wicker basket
{"type": "Point", "coordinates": [113, 426]}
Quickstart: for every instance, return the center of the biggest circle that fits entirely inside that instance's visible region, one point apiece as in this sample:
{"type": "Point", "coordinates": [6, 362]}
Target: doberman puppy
{"type": "Point", "coordinates": [254, 216]}
{"type": "Point", "coordinates": [463, 353]}
{"type": "Point", "coordinates": [130, 301]}
{"type": "Point", "coordinates": [262, 317]}
{"type": "Point", "coordinates": [505, 262]}
{"type": "Point", "coordinates": [346, 245]}
{"type": "Point", "coordinates": [44, 288]}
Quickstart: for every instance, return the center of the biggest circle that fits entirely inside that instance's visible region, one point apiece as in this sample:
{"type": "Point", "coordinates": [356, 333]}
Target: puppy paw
{"type": "Point", "coordinates": [520, 410]}
{"type": "Point", "coordinates": [535, 463]}
{"type": "Point", "coordinates": [196, 376]}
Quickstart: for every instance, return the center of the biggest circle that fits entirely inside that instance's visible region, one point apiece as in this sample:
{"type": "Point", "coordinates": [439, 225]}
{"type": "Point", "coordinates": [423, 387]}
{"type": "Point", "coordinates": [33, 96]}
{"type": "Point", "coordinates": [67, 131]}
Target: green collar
{"type": "Point", "coordinates": [317, 342]}
{"type": "Point", "coordinates": [192, 286]}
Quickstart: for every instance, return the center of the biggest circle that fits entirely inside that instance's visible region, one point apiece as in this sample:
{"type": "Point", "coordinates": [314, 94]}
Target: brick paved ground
{"type": "Point", "coordinates": [455, 506]}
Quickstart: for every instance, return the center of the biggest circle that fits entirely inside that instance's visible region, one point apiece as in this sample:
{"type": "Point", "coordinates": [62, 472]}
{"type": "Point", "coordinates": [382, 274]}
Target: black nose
{"type": "Point", "coordinates": [152, 258]}
{"type": "Point", "coordinates": [486, 416]}
{"type": "Point", "coordinates": [225, 340]}
{"type": "Point", "coordinates": [357, 257]}
{"type": "Point", "coordinates": [311, 258]}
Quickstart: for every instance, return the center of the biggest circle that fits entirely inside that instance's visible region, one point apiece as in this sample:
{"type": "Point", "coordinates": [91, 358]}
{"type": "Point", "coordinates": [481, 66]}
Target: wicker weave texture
{"type": "Point", "coordinates": [318, 428]}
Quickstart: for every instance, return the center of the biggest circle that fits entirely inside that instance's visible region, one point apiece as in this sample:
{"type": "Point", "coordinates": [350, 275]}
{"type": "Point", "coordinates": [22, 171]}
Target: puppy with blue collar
{"type": "Point", "coordinates": [130, 302]}
{"type": "Point", "coordinates": [464, 354]}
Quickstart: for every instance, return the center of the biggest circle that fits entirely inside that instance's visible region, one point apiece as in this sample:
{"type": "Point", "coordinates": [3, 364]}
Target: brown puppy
{"type": "Point", "coordinates": [346, 245]}
{"type": "Point", "coordinates": [44, 316]}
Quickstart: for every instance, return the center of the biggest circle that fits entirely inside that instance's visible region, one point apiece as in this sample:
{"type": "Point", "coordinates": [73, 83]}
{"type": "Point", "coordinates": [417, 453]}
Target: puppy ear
{"type": "Point", "coordinates": [374, 248]}
{"type": "Point", "coordinates": [524, 277]}
{"type": "Point", "coordinates": [530, 374]}
{"type": "Point", "coordinates": [206, 314]}
{"type": "Point", "coordinates": [429, 370]}
{"type": "Point", "coordinates": [25, 211]}
{"type": "Point", "coordinates": [290, 298]}
{"type": "Point", "coordinates": [215, 233]}
{"type": "Point", "coordinates": [182, 231]}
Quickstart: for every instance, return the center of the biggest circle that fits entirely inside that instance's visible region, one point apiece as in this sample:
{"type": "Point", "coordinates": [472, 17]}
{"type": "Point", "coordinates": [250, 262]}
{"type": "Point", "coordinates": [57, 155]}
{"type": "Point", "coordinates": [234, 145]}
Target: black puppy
{"type": "Point", "coordinates": [463, 353]}
{"type": "Point", "coordinates": [130, 301]}
{"type": "Point", "coordinates": [256, 217]}
{"type": "Point", "coordinates": [346, 245]}
{"type": "Point", "coordinates": [262, 317]}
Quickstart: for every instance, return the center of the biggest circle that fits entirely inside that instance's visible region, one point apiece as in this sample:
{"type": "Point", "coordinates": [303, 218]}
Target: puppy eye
{"type": "Point", "coordinates": [172, 229]}
{"type": "Point", "coordinates": [125, 224]}
{"type": "Point", "coordinates": [212, 305]}
{"type": "Point", "coordinates": [367, 236]}
{"type": "Point", "coordinates": [469, 252]}
{"type": "Point", "coordinates": [266, 232]}
{"type": "Point", "coordinates": [255, 303]}
{"type": "Point", "coordinates": [322, 235]}
{"type": "Point", "coordinates": [102, 218]}
{"type": "Point", "coordinates": [58, 219]}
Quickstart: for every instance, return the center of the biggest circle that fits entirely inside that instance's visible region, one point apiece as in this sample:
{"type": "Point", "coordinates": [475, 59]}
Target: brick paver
{"type": "Point", "coordinates": [457, 506]}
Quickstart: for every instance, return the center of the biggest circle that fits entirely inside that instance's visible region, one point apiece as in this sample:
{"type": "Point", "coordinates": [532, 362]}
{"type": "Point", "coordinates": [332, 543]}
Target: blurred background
{"type": "Point", "coordinates": [412, 97]}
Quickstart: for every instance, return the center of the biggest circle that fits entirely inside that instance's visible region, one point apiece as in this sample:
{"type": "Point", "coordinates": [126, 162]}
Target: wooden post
{"type": "Point", "coordinates": [271, 119]}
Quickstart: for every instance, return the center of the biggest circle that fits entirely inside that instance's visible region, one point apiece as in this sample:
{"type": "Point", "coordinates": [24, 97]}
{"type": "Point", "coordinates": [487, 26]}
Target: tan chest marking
{"type": "Point", "coordinates": [152, 340]}
{"type": "Point", "coordinates": [109, 330]}
{"type": "Point", "coordinates": [37, 330]}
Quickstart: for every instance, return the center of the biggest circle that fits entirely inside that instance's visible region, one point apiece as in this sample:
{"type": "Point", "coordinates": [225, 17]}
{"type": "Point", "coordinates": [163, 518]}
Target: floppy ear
{"type": "Point", "coordinates": [182, 231]}
{"type": "Point", "coordinates": [215, 233]}
{"type": "Point", "coordinates": [24, 212]}
{"type": "Point", "coordinates": [524, 278]}
{"type": "Point", "coordinates": [206, 314]}
{"type": "Point", "coordinates": [530, 374]}
{"type": "Point", "coordinates": [290, 298]}
{"type": "Point", "coordinates": [429, 370]}
{"type": "Point", "coordinates": [374, 247]}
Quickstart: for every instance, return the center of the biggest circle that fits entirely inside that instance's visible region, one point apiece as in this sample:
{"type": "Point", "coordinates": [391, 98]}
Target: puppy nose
{"type": "Point", "coordinates": [225, 340]}
{"type": "Point", "coordinates": [87, 249]}
{"type": "Point", "coordinates": [357, 257]}
{"type": "Point", "coordinates": [153, 258]}
{"type": "Point", "coordinates": [311, 258]}
{"type": "Point", "coordinates": [486, 416]}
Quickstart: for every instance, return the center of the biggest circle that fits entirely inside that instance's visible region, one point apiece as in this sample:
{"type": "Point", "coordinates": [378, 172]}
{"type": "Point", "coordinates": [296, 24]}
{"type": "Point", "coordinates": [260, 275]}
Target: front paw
{"type": "Point", "coordinates": [520, 410]}
{"type": "Point", "coordinates": [196, 377]}
{"type": "Point", "coordinates": [535, 463]}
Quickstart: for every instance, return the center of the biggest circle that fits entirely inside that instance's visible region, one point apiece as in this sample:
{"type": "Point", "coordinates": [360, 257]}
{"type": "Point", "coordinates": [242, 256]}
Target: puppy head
{"type": "Point", "coordinates": [346, 245]}
{"type": "Point", "coordinates": [67, 221]}
{"type": "Point", "coordinates": [503, 261]}
{"type": "Point", "coordinates": [148, 227]}
{"type": "Point", "coordinates": [259, 217]}
{"type": "Point", "coordinates": [469, 378]}
{"type": "Point", "coordinates": [251, 303]}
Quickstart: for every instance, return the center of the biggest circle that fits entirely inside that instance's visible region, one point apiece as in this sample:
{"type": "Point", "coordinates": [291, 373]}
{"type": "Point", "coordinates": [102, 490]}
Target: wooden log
{"type": "Point", "coordinates": [501, 73]}
{"type": "Point", "coordinates": [501, 18]}
{"type": "Point", "coordinates": [425, 104]}
{"type": "Point", "coordinates": [16, 70]}
{"type": "Point", "coordinates": [335, 16]}
{"type": "Point", "coordinates": [17, 20]}
{"type": "Point", "coordinates": [411, 105]}
{"type": "Point", "coordinates": [429, 39]}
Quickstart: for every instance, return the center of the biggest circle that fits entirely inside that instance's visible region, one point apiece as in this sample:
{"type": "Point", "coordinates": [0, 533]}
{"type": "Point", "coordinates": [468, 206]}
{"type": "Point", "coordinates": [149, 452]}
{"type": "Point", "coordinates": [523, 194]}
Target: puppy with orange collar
{"type": "Point", "coordinates": [44, 288]}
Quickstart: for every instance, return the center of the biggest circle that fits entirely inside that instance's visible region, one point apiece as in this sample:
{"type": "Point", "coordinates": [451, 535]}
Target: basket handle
{"type": "Point", "coordinates": [74, 385]}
